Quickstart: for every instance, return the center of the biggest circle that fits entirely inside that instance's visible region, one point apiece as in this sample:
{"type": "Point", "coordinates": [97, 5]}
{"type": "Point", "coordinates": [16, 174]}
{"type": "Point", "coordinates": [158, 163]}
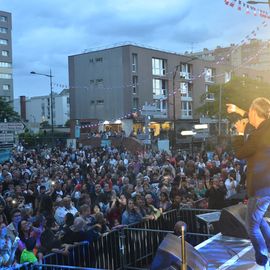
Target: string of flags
{"type": "Point", "coordinates": [189, 78]}
{"type": "Point", "coordinates": [140, 109]}
{"type": "Point", "coordinates": [219, 61]}
{"type": "Point", "coordinates": [126, 116]}
{"type": "Point", "coordinates": [246, 39]}
{"type": "Point", "coordinates": [247, 8]}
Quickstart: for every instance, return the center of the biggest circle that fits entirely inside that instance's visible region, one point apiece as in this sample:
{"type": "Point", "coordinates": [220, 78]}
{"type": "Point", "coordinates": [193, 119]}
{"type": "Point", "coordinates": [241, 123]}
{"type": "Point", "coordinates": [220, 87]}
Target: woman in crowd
{"type": "Point", "coordinates": [164, 202]}
{"type": "Point", "coordinates": [131, 214]}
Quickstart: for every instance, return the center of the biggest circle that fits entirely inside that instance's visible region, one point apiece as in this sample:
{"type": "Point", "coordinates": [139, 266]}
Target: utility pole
{"type": "Point", "coordinates": [51, 98]}
{"type": "Point", "coordinates": [174, 113]}
{"type": "Point", "coordinates": [219, 109]}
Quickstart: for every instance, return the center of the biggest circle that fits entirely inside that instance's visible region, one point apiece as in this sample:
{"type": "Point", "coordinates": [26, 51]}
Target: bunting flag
{"type": "Point", "coordinates": [244, 41]}
{"type": "Point", "coordinates": [248, 9]}
{"type": "Point", "coordinates": [192, 78]}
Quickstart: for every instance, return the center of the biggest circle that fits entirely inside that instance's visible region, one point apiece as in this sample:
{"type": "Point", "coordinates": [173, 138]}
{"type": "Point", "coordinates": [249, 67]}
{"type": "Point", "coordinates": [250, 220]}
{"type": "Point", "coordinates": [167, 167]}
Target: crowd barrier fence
{"type": "Point", "coordinates": [129, 247]}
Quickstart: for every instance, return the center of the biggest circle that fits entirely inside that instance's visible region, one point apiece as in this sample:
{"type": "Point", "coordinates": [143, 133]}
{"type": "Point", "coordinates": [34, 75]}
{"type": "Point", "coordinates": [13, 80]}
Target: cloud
{"type": "Point", "coordinates": [46, 32]}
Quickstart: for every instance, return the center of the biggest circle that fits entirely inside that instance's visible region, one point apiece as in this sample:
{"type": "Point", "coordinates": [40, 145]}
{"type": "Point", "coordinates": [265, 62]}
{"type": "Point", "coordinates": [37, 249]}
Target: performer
{"type": "Point", "coordinates": [256, 150]}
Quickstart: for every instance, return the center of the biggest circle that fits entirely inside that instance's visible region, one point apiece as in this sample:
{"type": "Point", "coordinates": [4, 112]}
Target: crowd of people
{"type": "Point", "coordinates": [53, 198]}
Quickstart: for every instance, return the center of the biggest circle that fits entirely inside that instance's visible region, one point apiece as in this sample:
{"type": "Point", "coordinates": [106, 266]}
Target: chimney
{"type": "Point", "coordinates": [23, 107]}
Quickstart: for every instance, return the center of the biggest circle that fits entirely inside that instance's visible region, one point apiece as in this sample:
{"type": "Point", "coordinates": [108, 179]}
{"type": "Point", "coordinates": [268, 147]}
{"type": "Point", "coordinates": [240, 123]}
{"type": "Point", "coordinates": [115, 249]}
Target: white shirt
{"type": "Point", "coordinates": [61, 212]}
{"type": "Point", "coordinates": [231, 187]}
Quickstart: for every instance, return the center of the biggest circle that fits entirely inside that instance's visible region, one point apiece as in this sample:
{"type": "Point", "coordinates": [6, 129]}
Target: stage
{"type": "Point", "coordinates": [225, 252]}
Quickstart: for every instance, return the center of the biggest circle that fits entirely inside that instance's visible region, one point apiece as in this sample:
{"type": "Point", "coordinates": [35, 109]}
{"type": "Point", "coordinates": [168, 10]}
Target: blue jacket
{"type": "Point", "coordinates": [131, 217]}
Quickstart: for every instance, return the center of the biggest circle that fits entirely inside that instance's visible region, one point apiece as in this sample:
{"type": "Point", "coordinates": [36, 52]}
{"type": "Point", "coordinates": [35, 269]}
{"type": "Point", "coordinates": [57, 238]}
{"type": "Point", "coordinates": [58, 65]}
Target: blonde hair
{"type": "Point", "coordinates": [262, 106]}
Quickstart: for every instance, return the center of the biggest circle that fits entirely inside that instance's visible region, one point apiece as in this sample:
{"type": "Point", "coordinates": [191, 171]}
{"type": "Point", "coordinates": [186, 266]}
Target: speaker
{"type": "Point", "coordinates": [168, 255]}
{"type": "Point", "coordinates": [232, 221]}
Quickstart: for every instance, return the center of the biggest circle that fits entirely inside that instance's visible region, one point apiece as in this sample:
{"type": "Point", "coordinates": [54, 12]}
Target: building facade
{"type": "Point", "coordinates": [6, 80]}
{"type": "Point", "coordinates": [36, 110]}
{"type": "Point", "coordinates": [112, 83]}
{"type": "Point", "coordinates": [251, 59]}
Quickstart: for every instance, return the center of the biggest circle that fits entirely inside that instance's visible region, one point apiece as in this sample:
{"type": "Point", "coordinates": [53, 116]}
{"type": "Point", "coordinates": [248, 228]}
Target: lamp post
{"type": "Point", "coordinates": [174, 114]}
{"type": "Point", "coordinates": [51, 88]}
{"type": "Point", "coordinates": [174, 93]}
{"type": "Point", "coordinates": [258, 2]}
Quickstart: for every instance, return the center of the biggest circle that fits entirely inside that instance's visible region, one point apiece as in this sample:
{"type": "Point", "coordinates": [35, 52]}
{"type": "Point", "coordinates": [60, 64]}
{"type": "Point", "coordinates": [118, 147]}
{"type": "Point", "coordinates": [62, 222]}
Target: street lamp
{"type": "Point", "coordinates": [174, 93]}
{"type": "Point", "coordinates": [174, 114]}
{"type": "Point", "coordinates": [51, 88]}
{"type": "Point", "coordinates": [258, 2]}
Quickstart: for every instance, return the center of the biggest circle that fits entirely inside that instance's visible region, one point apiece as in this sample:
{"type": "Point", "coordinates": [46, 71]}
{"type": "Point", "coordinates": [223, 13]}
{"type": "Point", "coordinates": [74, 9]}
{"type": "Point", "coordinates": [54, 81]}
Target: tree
{"type": "Point", "coordinates": [67, 124]}
{"type": "Point", "coordinates": [6, 112]}
{"type": "Point", "coordinates": [239, 91]}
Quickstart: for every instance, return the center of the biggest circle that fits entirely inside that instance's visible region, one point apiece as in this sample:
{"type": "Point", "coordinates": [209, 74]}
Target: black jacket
{"type": "Point", "coordinates": [256, 150]}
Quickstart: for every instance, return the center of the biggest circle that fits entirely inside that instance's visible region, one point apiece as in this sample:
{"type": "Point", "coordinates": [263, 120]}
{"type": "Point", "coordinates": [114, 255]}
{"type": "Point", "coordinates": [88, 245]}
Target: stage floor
{"type": "Point", "coordinates": [224, 252]}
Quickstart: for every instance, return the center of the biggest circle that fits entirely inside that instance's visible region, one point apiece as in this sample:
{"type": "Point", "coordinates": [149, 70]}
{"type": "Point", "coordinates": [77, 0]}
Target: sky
{"type": "Point", "coordinates": [46, 32]}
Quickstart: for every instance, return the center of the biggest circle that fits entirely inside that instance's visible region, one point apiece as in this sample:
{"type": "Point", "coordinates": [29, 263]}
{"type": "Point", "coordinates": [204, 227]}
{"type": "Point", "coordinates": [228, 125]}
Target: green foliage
{"type": "Point", "coordinates": [7, 112]}
{"type": "Point", "coordinates": [67, 124]}
{"type": "Point", "coordinates": [239, 91]}
{"type": "Point", "coordinates": [44, 124]}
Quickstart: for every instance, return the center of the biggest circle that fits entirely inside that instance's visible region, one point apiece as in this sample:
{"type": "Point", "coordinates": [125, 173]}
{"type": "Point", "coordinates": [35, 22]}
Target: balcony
{"type": "Point", "coordinates": [209, 97]}
{"type": "Point", "coordinates": [160, 114]}
{"type": "Point", "coordinates": [160, 94]}
{"type": "Point", "coordinates": [185, 75]}
{"type": "Point", "coordinates": [209, 79]}
{"type": "Point", "coordinates": [154, 111]}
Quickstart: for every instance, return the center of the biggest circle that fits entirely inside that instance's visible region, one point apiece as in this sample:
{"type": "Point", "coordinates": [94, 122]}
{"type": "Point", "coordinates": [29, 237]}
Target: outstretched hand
{"type": "Point", "coordinates": [231, 108]}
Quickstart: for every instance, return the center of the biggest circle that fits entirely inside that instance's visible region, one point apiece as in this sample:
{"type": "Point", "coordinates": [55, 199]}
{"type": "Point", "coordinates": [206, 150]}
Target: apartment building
{"type": "Point", "coordinates": [251, 59]}
{"type": "Point", "coordinates": [111, 83]}
{"type": "Point", "coordinates": [6, 80]}
{"type": "Point", "coordinates": [35, 110]}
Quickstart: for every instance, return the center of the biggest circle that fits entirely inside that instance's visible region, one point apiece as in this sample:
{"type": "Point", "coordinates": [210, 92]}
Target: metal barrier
{"type": "Point", "coordinates": [131, 247]}
{"type": "Point", "coordinates": [141, 245]}
{"type": "Point", "coordinates": [101, 253]}
{"type": "Point", "coordinates": [188, 215]}
{"type": "Point", "coordinates": [58, 267]}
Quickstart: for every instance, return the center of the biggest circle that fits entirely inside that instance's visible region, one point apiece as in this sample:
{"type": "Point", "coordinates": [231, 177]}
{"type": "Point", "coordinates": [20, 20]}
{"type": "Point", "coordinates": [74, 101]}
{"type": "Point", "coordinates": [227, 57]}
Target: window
{"type": "Point", "coordinates": [209, 96]}
{"type": "Point", "coordinates": [92, 102]}
{"type": "Point", "coordinates": [68, 100]}
{"type": "Point", "coordinates": [43, 109]}
{"type": "Point", "coordinates": [100, 101]}
{"type": "Point", "coordinates": [5, 64]}
{"type": "Point", "coordinates": [5, 53]}
{"type": "Point", "coordinates": [186, 108]}
{"type": "Point", "coordinates": [185, 89]}
{"type": "Point", "coordinates": [5, 76]}
{"type": "Point", "coordinates": [185, 71]}
{"type": "Point", "coordinates": [3, 19]}
{"type": "Point", "coordinates": [134, 84]}
{"type": "Point", "coordinates": [91, 60]}
{"type": "Point", "coordinates": [159, 87]}
{"type": "Point", "coordinates": [99, 59]}
{"type": "Point", "coordinates": [6, 87]}
{"type": "Point", "coordinates": [92, 81]}
{"type": "Point", "coordinates": [3, 30]}
{"type": "Point", "coordinates": [134, 62]}
{"type": "Point", "coordinates": [159, 66]}
{"type": "Point", "coordinates": [98, 81]}
{"type": "Point", "coordinates": [135, 103]}
{"type": "Point", "coordinates": [6, 98]}
{"type": "Point", "coordinates": [161, 104]}
{"type": "Point", "coordinates": [3, 41]}
{"type": "Point", "coordinates": [209, 74]}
